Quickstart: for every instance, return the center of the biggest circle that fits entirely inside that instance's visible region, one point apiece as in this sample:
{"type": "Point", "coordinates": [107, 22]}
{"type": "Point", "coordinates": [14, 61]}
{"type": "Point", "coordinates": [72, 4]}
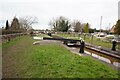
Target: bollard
{"type": "Point", "coordinates": [65, 42]}
{"type": "Point", "coordinates": [82, 45]}
{"type": "Point", "coordinates": [114, 43]}
{"type": "Point", "coordinates": [8, 38]}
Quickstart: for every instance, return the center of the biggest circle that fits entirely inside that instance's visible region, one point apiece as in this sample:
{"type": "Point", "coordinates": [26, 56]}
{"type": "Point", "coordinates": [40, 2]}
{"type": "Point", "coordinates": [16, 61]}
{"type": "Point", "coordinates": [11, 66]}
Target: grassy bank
{"type": "Point", "coordinates": [22, 59]}
{"type": "Point", "coordinates": [12, 42]}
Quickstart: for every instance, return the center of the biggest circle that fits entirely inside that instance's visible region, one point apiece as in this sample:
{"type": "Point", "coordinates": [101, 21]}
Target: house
{"type": "Point", "coordinates": [112, 29]}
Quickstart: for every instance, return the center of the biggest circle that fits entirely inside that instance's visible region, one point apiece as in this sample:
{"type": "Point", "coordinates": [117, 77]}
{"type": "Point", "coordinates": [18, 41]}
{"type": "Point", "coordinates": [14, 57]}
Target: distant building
{"type": "Point", "coordinates": [112, 29]}
{"type": "Point", "coordinates": [99, 34]}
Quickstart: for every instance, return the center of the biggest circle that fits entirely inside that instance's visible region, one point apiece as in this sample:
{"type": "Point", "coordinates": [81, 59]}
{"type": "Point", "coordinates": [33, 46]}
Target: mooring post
{"type": "Point", "coordinates": [114, 43]}
{"type": "Point", "coordinates": [82, 45]}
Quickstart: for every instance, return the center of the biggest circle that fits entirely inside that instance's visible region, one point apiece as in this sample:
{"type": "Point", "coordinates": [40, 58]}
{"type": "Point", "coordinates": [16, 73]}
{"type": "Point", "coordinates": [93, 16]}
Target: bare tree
{"type": "Point", "coordinates": [77, 26]}
{"type": "Point", "coordinates": [27, 22]}
{"type": "Point", "coordinates": [53, 24]}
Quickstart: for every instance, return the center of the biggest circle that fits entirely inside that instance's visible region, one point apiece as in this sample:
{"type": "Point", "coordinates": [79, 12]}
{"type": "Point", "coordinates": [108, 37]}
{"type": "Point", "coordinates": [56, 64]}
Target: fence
{"type": "Point", "coordinates": [8, 37]}
{"type": "Point", "coordinates": [90, 38]}
{"type": "Point", "coordinates": [11, 31]}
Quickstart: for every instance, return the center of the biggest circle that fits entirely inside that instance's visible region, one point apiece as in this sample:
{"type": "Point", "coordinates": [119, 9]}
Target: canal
{"type": "Point", "coordinates": [100, 56]}
{"type": "Point", "coordinates": [115, 61]}
{"type": "Point", "coordinates": [103, 57]}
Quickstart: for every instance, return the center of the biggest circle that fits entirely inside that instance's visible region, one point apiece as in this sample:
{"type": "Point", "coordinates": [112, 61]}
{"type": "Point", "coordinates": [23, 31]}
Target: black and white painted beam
{"type": "Point", "coordinates": [59, 39]}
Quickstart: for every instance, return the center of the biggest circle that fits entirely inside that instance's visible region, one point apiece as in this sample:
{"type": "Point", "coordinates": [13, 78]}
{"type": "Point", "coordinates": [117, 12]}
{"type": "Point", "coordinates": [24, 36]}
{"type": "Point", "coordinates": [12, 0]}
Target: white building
{"type": "Point", "coordinates": [100, 34]}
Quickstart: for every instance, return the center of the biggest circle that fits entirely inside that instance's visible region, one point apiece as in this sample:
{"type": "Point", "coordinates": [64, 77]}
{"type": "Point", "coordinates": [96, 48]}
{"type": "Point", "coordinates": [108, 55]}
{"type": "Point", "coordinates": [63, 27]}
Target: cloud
{"type": "Point", "coordinates": [83, 10]}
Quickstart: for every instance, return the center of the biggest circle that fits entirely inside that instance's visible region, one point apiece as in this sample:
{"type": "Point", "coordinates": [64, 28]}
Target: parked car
{"type": "Point", "coordinates": [110, 36]}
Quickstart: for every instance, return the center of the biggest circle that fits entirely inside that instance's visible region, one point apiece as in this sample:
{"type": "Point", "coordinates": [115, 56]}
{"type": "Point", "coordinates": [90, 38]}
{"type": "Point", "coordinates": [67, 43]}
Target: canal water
{"type": "Point", "coordinates": [101, 56]}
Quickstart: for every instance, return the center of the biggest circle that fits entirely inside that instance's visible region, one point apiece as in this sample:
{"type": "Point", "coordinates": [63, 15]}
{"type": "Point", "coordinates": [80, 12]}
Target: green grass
{"type": "Point", "coordinates": [50, 61]}
{"type": "Point", "coordinates": [95, 41]}
{"type": "Point", "coordinates": [98, 42]}
{"type": "Point", "coordinates": [12, 42]}
{"type": "Point", "coordinates": [53, 61]}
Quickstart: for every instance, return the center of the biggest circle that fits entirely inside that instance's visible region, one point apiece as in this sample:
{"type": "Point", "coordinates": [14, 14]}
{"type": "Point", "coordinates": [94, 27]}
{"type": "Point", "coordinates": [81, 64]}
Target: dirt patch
{"type": "Point", "coordinates": [13, 57]}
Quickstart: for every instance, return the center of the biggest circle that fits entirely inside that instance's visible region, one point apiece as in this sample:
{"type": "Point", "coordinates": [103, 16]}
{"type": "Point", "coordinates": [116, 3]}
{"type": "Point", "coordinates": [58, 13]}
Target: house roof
{"type": "Point", "coordinates": [112, 29]}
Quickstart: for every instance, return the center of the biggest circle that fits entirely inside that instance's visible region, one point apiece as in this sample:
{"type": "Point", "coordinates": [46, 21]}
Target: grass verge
{"type": "Point", "coordinates": [95, 41]}
{"type": "Point", "coordinates": [24, 60]}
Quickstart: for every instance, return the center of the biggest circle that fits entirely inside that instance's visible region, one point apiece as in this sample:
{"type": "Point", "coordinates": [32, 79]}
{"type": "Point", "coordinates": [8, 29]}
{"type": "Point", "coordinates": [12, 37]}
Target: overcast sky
{"type": "Point", "coordinates": [83, 10]}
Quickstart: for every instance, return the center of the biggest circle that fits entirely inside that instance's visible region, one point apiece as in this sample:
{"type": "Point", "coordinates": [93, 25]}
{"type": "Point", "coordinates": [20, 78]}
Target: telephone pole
{"type": "Point", "coordinates": [100, 25]}
{"type": "Point", "coordinates": [109, 28]}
